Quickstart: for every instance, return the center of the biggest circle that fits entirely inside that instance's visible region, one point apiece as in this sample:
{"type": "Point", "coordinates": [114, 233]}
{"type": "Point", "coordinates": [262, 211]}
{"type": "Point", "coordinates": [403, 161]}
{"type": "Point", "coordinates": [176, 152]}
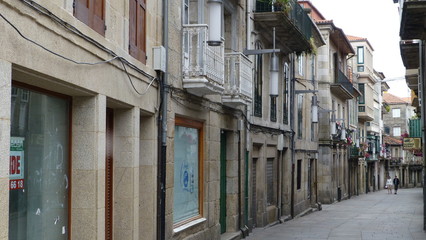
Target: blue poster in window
{"type": "Point", "coordinates": [185, 189]}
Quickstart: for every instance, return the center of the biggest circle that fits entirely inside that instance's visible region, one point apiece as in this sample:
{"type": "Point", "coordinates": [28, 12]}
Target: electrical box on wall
{"type": "Point", "coordinates": [159, 54]}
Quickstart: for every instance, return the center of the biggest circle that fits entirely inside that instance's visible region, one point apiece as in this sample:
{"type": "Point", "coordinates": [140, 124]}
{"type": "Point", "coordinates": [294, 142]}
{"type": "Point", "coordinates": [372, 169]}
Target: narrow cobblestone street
{"type": "Point", "coordinates": [376, 215]}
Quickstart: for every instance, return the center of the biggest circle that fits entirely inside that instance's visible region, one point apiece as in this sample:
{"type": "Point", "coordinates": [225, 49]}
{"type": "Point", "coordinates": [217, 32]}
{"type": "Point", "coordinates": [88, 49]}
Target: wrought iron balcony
{"type": "Point", "coordinates": [292, 24]}
{"type": "Point", "coordinates": [203, 65]}
{"type": "Point", "coordinates": [238, 80]}
{"type": "Point", "coordinates": [412, 19]}
{"type": "Point", "coordinates": [354, 152]}
{"type": "Point", "coordinates": [342, 86]}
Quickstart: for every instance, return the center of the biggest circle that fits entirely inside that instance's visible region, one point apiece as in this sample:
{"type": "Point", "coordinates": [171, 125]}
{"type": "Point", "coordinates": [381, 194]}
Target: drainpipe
{"type": "Point", "coordinates": [162, 134]}
{"type": "Point", "coordinates": [292, 100]}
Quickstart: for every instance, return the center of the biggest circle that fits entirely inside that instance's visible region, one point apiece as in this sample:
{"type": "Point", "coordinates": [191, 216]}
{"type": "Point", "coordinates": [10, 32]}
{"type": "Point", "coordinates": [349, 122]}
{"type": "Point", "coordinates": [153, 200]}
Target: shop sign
{"type": "Point", "coordinates": [16, 168]}
{"type": "Point", "coordinates": [412, 143]}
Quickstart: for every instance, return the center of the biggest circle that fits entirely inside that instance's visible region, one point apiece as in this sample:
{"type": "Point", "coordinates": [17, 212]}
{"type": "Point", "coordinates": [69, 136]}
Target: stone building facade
{"type": "Point", "coordinates": [78, 110]}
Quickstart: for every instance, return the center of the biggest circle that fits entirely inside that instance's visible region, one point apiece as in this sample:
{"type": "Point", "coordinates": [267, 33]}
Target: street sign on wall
{"type": "Point", "coordinates": [412, 143]}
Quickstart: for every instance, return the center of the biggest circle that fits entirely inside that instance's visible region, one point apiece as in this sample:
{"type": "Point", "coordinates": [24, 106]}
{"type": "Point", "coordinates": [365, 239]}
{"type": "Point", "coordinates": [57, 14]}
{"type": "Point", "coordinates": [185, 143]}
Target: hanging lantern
{"type": "Point", "coordinates": [273, 82]}
{"type": "Point", "coordinates": [215, 22]}
{"type": "Point", "coordinates": [314, 109]}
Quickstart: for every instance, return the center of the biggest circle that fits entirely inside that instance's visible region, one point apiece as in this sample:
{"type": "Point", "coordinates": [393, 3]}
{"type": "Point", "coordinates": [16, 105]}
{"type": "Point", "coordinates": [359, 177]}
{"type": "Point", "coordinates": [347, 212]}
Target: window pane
{"type": "Point", "coordinates": [299, 115]}
{"type": "Point", "coordinates": [185, 204]}
{"type": "Point", "coordinates": [39, 178]}
{"type": "Point", "coordinates": [396, 131]}
{"type": "Point", "coordinates": [360, 52]}
{"type": "Point", "coordinates": [396, 113]}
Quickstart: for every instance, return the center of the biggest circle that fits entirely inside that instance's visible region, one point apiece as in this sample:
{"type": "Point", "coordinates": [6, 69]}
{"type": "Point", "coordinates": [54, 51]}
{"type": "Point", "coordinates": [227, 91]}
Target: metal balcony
{"type": "Point", "coordinates": [354, 152]}
{"type": "Point", "coordinates": [412, 19]}
{"type": "Point", "coordinates": [342, 87]}
{"type": "Point", "coordinates": [293, 26]}
{"type": "Point", "coordinates": [238, 80]}
{"type": "Point", "coordinates": [203, 65]}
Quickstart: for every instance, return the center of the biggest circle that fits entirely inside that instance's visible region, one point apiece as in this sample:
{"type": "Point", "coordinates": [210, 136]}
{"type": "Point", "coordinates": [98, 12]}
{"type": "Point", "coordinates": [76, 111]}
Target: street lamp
{"type": "Point", "coordinates": [215, 22]}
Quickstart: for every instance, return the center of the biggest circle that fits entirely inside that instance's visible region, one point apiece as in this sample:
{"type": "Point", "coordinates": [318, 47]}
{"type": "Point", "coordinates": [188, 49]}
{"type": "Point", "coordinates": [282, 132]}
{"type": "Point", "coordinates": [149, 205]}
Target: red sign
{"type": "Point", "coordinates": [16, 184]}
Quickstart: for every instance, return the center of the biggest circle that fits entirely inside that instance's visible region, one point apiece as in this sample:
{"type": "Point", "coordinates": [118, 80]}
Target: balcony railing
{"type": "Point", "coordinates": [295, 13]}
{"type": "Point", "coordinates": [354, 152]}
{"type": "Point", "coordinates": [344, 81]}
{"type": "Point", "coordinates": [342, 86]}
{"type": "Point", "coordinates": [203, 65]}
{"type": "Point", "coordinates": [238, 79]}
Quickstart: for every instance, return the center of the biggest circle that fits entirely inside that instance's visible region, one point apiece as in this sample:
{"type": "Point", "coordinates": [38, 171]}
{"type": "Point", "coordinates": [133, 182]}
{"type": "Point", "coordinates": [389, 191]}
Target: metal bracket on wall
{"type": "Point", "coordinates": [259, 51]}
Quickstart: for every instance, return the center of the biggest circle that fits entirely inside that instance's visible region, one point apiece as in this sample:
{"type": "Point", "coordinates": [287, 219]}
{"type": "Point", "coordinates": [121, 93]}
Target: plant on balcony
{"type": "Point", "coordinates": [349, 141]}
{"type": "Point", "coordinates": [281, 5]}
{"type": "Point", "coordinates": [313, 48]}
{"type": "Point", "coordinates": [405, 135]}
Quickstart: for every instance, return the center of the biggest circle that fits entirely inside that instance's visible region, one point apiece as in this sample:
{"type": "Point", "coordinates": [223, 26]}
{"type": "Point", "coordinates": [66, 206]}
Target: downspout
{"type": "Point", "coordinates": [162, 133]}
{"type": "Point", "coordinates": [292, 96]}
{"type": "Point", "coordinates": [246, 152]}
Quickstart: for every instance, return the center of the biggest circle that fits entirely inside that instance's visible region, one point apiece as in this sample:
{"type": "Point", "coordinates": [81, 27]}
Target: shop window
{"type": "Point", "coordinates": [39, 166]}
{"type": "Point", "coordinates": [188, 165]}
{"type": "Point", "coordinates": [92, 13]}
{"type": "Point", "coordinates": [137, 29]}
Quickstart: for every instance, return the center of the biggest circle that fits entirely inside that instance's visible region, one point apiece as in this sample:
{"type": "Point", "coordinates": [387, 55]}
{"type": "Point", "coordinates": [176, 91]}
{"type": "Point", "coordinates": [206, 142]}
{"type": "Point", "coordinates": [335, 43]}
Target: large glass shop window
{"type": "Point", "coordinates": [186, 173]}
{"type": "Point", "coordinates": [39, 174]}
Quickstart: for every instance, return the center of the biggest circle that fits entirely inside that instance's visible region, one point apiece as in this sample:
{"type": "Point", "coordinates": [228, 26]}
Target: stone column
{"type": "Point", "coordinates": [5, 90]}
{"type": "Point", "coordinates": [88, 167]}
{"type": "Point", "coordinates": [126, 173]}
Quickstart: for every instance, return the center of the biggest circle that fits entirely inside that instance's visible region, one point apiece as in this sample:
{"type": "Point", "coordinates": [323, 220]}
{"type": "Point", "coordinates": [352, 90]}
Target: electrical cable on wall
{"type": "Point", "coordinates": [74, 30]}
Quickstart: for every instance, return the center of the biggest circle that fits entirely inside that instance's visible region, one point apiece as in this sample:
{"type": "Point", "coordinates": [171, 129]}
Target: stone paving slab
{"type": "Point", "coordinates": [373, 216]}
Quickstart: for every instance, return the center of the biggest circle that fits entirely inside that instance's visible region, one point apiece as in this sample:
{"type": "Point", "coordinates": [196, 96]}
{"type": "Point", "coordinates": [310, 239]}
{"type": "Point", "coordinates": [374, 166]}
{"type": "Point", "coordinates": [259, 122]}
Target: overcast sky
{"type": "Point", "coordinates": [379, 22]}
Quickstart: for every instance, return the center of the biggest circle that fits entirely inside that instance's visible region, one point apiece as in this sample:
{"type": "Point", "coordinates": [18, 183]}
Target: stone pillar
{"type": "Point", "coordinates": [148, 178]}
{"type": "Point", "coordinates": [5, 90]}
{"type": "Point", "coordinates": [88, 167]}
{"type": "Point", "coordinates": [126, 173]}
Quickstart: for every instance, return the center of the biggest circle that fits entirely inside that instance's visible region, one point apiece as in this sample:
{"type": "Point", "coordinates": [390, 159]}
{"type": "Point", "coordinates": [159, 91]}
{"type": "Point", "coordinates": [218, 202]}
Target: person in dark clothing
{"type": "Point", "coordinates": [396, 183]}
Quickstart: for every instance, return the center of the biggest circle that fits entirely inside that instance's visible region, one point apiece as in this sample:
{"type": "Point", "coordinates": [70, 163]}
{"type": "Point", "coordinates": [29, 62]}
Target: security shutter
{"type": "Point", "coordinates": [109, 174]}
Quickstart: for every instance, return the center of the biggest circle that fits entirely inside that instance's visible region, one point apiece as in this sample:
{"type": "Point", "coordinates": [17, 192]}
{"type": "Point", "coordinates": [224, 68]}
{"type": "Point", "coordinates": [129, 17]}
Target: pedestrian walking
{"type": "Point", "coordinates": [396, 183]}
{"type": "Point", "coordinates": [389, 184]}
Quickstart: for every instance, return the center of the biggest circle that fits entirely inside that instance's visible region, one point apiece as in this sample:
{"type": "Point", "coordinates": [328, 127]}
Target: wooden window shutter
{"type": "Point", "coordinates": [137, 29]}
{"type": "Point", "coordinates": [109, 174]}
{"type": "Point", "coordinates": [92, 13]}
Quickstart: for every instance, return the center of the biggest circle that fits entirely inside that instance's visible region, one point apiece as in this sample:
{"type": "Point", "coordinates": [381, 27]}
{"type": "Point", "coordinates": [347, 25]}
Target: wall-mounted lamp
{"type": "Point", "coordinates": [273, 84]}
{"type": "Point", "coordinates": [343, 133]}
{"type": "Point", "coordinates": [314, 109]}
{"type": "Point", "coordinates": [333, 124]}
{"type": "Point", "coordinates": [215, 22]}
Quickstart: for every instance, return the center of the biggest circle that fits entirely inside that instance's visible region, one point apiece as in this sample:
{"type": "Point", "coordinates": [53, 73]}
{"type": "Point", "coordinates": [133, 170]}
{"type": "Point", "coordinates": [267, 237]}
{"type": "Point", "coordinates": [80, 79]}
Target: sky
{"type": "Point", "coordinates": [379, 22]}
